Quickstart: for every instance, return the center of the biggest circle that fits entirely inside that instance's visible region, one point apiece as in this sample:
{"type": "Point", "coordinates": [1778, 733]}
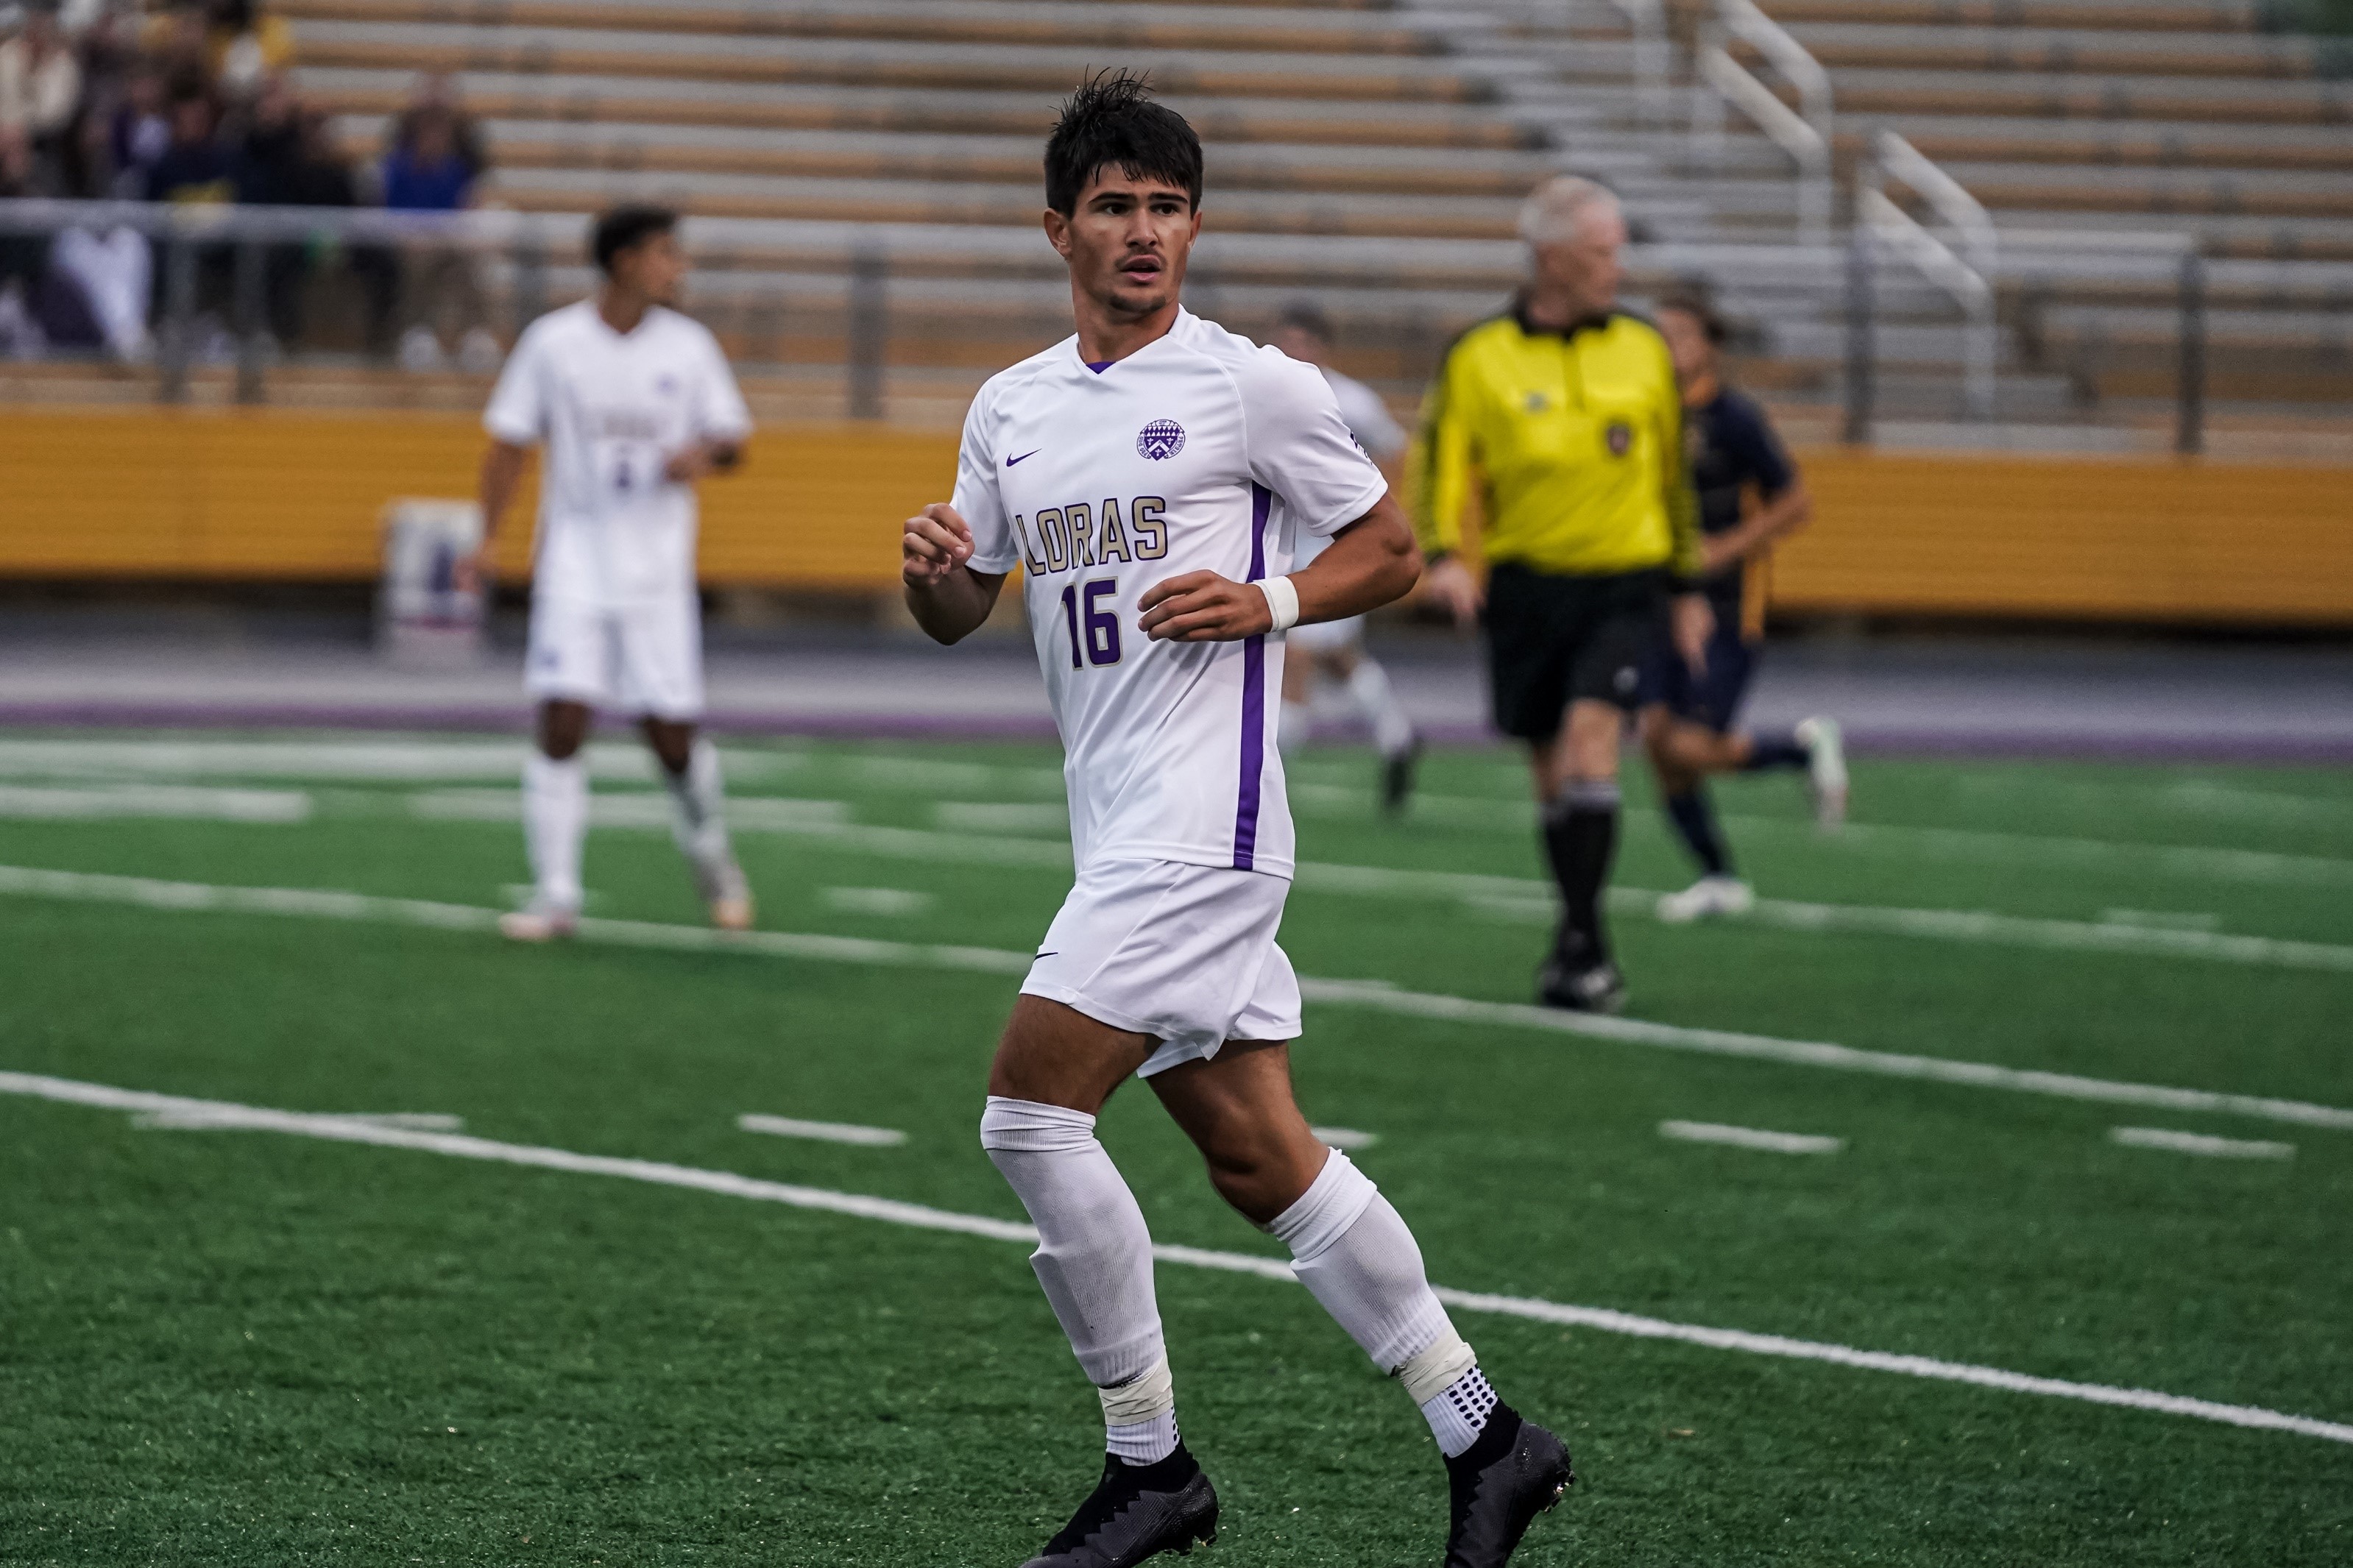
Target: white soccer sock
{"type": "Point", "coordinates": [1352, 1250]}
{"type": "Point", "coordinates": [697, 816]}
{"type": "Point", "coordinates": [1297, 722]}
{"type": "Point", "coordinates": [1094, 1259]}
{"type": "Point", "coordinates": [554, 821]}
{"type": "Point", "coordinates": [1368, 685]}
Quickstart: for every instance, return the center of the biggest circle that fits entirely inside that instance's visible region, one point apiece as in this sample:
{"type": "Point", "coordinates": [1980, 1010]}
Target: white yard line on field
{"type": "Point", "coordinates": [381, 759]}
{"type": "Point", "coordinates": [182, 802]}
{"type": "Point", "coordinates": [823, 1131]}
{"type": "Point", "coordinates": [1345, 1137]}
{"type": "Point", "coordinates": [1374, 996]}
{"type": "Point", "coordinates": [2200, 1143]}
{"type": "Point", "coordinates": [345, 1130]}
{"type": "Point", "coordinates": [1750, 1138]}
{"type": "Point", "coordinates": [206, 1120]}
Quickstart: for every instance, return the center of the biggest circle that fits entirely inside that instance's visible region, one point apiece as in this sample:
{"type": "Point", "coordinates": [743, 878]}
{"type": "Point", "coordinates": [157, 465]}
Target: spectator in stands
{"type": "Point", "coordinates": [177, 40]}
{"type": "Point", "coordinates": [137, 132]}
{"type": "Point", "coordinates": [428, 172]}
{"type": "Point", "coordinates": [434, 95]}
{"type": "Point", "coordinates": [40, 88]}
{"type": "Point", "coordinates": [244, 47]}
{"type": "Point", "coordinates": [196, 167]}
{"type": "Point", "coordinates": [291, 160]}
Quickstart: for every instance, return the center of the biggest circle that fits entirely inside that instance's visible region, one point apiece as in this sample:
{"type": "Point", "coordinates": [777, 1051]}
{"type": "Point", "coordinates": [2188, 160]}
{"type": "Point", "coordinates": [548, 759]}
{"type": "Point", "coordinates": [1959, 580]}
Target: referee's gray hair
{"type": "Point", "coordinates": [1556, 210]}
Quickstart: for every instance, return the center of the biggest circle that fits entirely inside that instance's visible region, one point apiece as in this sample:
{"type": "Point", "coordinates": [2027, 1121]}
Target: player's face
{"type": "Point", "coordinates": [1588, 268]}
{"type": "Point", "coordinates": [1128, 241]}
{"type": "Point", "coordinates": [1687, 343]}
{"type": "Point", "coordinates": [655, 267]}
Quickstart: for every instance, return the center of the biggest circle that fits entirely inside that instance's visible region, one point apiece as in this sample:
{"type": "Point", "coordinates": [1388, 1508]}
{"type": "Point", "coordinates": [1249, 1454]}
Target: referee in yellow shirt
{"type": "Point", "coordinates": [1564, 416]}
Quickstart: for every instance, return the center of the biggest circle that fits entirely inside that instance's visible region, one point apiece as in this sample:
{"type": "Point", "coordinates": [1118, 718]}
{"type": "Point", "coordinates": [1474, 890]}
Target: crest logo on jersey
{"type": "Point", "coordinates": [1619, 437]}
{"type": "Point", "coordinates": [666, 386]}
{"type": "Point", "coordinates": [1161, 439]}
{"type": "Point", "coordinates": [1535, 402]}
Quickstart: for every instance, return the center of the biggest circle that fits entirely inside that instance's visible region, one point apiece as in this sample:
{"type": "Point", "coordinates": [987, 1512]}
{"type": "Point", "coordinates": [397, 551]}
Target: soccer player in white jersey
{"type": "Point", "coordinates": [1336, 648]}
{"type": "Point", "coordinates": [634, 405]}
{"type": "Point", "coordinates": [1153, 474]}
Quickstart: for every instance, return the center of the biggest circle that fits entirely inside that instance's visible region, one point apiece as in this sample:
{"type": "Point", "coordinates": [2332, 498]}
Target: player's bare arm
{"type": "Point", "coordinates": [503, 470]}
{"type": "Point", "coordinates": [1451, 583]}
{"type": "Point", "coordinates": [1371, 563]}
{"type": "Point", "coordinates": [1775, 519]}
{"type": "Point", "coordinates": [702, 460]}
{"type": "Point", "coordinates": [1694, 623]}
{"type": "Point", "coordinates": [948, 599]}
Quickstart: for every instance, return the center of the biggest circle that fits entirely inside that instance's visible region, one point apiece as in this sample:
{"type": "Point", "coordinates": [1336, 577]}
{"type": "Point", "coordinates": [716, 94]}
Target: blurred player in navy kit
{"type": "Point", "coordinates": [1689, 713]}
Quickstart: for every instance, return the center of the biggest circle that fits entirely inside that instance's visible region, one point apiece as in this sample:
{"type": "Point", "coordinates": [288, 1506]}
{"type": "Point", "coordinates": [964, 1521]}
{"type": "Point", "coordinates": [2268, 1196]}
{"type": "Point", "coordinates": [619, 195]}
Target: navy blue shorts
{"type": "Point", "coordinates": [1712, 699]}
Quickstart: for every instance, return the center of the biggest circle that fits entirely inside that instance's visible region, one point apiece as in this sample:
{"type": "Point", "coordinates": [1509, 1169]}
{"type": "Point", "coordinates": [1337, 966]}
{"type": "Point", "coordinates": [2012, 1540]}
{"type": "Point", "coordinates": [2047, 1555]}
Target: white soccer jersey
{"type": "Point", "coordinates": [1200, 451]}
{"type": "Point", "coordinates": [611, 410]}
{"type": "Point", "coordinates": [1367, 418]}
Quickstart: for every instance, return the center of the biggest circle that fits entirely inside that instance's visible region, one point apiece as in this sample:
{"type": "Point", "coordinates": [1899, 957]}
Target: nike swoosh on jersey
{"type": "Point", "coordinates": [1030, 453]}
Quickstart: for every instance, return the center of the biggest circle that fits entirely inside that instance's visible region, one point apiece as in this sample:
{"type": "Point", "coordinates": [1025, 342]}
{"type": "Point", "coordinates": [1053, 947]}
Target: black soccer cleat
{"type": "Point", "coordinates": [1397, 778]}
{"type": "Point", "coordinates": [1515, 1471]}
{"type": "Point", "coordinates": [1597, 988]}
{"type": "Point", "coordinates": [1137, 1511]}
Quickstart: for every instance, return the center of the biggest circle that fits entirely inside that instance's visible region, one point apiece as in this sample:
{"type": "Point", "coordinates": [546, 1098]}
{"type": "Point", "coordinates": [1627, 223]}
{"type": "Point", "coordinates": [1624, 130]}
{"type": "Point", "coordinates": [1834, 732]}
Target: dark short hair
{"type": "Point", "coordinates": [1306, 316]}
{"type": "Point", "coordinates": [625, 226]}
{"type": "Point", "coordinates": [1695, 303]}
{"type": "Point", "coordinates": [1111, 120]}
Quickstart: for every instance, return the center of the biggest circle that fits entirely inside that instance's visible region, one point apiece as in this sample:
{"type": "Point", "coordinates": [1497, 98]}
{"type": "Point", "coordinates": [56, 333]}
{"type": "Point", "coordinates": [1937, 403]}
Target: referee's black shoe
{"type": "Point", "coordinates": [1137, 1511]}
{"type": "Point", "coordinates": [1397, 778]}
{"type": "Point", "coordinates": [1514, 1471]}
{"type": "Point", "coordinates": [1595, 988]}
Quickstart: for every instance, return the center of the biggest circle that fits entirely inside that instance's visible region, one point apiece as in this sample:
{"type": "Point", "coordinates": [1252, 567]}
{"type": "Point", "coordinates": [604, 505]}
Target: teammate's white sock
{"type": "Point", "coordinates": [1368, 685]}
{"type": "Point", "coordinates": [1094, 1259]}
{"type": "Point", "coordinates": [1352, 1250]}
{"type": "Point", "coordinates": [554, 821]}
{"type": "Point", "coordinates": [1458, 1413]}
{"type": "Point", "coordinates": [698, 815]}
{"type": "Point", "coordinates": [1298, 720]}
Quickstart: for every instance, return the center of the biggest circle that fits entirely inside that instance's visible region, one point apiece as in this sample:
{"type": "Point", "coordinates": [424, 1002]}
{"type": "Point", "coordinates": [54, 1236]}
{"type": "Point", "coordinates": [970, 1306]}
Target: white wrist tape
{"type": "Point", "coordinates": [1282, 601]}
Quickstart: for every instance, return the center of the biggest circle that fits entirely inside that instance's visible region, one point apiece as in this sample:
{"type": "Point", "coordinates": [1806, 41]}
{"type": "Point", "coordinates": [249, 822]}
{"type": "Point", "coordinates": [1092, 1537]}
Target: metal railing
{"type": "Point", "coordinates": [1961, 261]}
{"type": "Point", "coordinates": [1720, 81]}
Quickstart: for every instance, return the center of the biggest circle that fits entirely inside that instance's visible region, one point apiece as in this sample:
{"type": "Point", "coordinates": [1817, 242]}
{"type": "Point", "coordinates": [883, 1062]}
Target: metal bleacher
{"type": "Point", "coordinates": [862, 180]}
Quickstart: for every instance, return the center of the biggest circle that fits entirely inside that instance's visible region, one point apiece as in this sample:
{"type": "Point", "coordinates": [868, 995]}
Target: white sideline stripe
{"type": "Point", "coordinates": [1750, 1138]}
{"type": "Point", "coordinates": [1380, 995]}
{"type": "Point", "coordinates": [2200, 1143]}
{"type": "Point", "coordinates": [189, 802]}
{"type": "Point", "coordinates": [1345, 1137]}
{"type": "Point", "coordinates": [202, 1121]}
{"type": "Point", "coordinates": [632, 808]}
{"type": "Point", "coordinates": [415, 760]}
{"type": "Point", "coordinates": [822, 1132]}
{"type": "Point", "coordinates": [348, 1129]}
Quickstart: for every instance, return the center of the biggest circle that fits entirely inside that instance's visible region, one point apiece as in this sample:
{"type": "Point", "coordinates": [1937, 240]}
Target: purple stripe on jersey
{"type": "Point", "coordinates": [1253, 700]}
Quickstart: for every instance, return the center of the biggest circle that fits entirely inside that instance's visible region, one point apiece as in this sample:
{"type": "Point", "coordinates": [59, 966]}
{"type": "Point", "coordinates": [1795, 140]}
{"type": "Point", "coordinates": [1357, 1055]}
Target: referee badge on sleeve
{"type": "Point", "coordinates": [1618, 436]}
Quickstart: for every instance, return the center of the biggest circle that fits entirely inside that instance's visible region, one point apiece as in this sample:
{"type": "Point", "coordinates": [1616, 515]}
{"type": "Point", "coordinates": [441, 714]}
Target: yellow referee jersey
{"type": "Point", "coordinates": [1574, 440]}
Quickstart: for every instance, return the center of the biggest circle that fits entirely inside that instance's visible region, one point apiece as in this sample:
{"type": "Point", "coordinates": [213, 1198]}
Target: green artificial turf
{"type": "Point", "coordinates": [242, 1347]}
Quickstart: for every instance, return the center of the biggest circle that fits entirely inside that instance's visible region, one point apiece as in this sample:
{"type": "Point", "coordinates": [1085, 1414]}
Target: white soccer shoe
{"type": "Point", "coordinates": [1708, 896]}
{"type": "Point", "coordinates": [1825, 769]}
{"type": "Point", "coordinates": [731, 900]}
{"type": "Point", "coordinates": [539, 921]}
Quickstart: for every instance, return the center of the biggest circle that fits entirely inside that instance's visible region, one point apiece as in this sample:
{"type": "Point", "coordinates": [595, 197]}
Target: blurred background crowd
{"type": "Point", "coordinates": [192, 104]}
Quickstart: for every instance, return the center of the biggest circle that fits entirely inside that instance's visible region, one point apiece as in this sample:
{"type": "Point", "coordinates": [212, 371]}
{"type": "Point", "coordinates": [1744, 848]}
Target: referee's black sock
{"type": "Point", "coordinates": [1580, 834]}
{"type": "Point", "coordinates": [1780, 749]}
{"type": "Point", "coordinates": [1694, 818]}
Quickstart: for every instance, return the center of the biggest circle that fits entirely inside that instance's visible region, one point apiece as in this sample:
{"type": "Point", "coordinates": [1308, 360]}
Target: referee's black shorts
{"type": "Point", "coordinates": [1553, 639]}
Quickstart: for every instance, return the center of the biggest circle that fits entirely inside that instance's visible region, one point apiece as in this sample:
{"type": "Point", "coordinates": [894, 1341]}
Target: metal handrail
{"type": "Point", "coordinates": [1803, 133]}
{"type": "Point", "coordinates": [1878, 219]}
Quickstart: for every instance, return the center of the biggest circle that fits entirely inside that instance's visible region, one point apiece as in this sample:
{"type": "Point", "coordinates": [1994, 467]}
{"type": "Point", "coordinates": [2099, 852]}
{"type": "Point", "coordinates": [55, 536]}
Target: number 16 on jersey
{"type": "Point", "coordinates": [1094, 631]}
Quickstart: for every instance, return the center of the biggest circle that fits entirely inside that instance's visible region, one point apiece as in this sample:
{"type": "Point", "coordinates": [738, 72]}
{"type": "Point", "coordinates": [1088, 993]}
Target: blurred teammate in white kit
{"type": "Point", "coordinates": [1336, 648]}
{"type": "Point", "coordinates": [634, 404]}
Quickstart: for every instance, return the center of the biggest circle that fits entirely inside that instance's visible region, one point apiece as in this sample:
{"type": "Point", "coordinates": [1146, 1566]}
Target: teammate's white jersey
{"type": "Point", "coordinates": [1200, 451]}
{"type": "Point", "coordinates": [611, 410]}
{"type": "Point", "coordinates": [1367, 418]}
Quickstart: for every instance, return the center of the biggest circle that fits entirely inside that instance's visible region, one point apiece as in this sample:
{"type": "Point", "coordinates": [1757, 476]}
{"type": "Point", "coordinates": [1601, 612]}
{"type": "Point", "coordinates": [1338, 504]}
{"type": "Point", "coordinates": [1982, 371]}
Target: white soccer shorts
{"type": "Point", "coordinates": [1183, 952]}
{"type": "Point", "coordinates": [643, 659]}
{"type": "Point", "coordinates": [1327, 637]}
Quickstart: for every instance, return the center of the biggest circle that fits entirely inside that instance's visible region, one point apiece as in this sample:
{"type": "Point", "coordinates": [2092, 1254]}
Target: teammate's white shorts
{"type": "Point", "coordinates": [1327, 637]}
{"type": "Point", "coordinates": [640, 659]}
{"type": "Point", "coordinates": [1183, 953]}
